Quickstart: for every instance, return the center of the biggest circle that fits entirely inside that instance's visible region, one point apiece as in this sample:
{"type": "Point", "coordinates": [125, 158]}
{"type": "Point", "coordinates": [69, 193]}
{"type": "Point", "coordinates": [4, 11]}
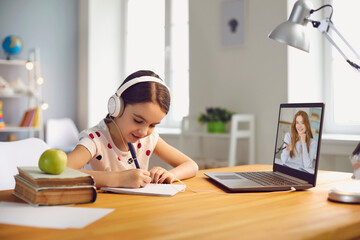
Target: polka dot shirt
{"type": "Point", "coordinates": [107, 157]}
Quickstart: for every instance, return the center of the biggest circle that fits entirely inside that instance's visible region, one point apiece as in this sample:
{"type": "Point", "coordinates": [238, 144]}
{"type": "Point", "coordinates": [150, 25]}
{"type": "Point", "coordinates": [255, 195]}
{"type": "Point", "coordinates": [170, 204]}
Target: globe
{"type": "Point", "coordinates": [11, 45]}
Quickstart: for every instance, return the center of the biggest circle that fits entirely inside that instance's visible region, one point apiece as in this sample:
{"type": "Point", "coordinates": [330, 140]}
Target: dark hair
{"type": "Point", "coordinates": [146, 91]}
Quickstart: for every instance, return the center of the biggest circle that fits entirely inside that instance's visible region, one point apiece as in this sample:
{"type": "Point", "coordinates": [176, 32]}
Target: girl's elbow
{"type": "Point", "coordinates": [195, 168]}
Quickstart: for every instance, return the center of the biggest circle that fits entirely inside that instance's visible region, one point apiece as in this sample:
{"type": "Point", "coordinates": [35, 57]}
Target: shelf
{"type": "Point", "coordinates": [234, 134]}
{"type": "Point", "coordinates": [12, 107]}
{"type": "Point", "coordinates": [205, 134]}
{"type": "Point", "coordinates": [13, 95]}
{"type": "Point", "coordinates": [238, 134]}
{"type": "Point", "coordinates": [13, 62]}
{"type": "Point", "coordinates": [19, 129]}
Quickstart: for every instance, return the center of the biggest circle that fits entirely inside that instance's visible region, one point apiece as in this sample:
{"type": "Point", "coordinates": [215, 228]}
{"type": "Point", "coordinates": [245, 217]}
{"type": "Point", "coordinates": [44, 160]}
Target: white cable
{"type": "Point", "coordinates": [118, 129]}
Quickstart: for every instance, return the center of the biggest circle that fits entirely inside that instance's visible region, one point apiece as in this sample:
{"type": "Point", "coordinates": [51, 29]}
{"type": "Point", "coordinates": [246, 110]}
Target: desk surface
{"type": "Point", "coordinates": [188, 215]}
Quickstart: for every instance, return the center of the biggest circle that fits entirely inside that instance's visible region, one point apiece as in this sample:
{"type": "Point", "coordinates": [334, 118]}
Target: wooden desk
{"type": "Point", "coordinates": [188, 215]}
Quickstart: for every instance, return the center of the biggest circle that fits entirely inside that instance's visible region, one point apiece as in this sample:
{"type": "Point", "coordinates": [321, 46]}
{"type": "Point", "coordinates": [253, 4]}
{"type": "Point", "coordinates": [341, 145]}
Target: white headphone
{"type": "Point", "coordinates": [116, 103]}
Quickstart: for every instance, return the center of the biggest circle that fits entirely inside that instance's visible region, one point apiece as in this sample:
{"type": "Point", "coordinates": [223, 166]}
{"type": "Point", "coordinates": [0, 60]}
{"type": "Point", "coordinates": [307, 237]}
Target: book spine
{"type": "Point", "coordinates": [31, 118]}
{"type": "Point", "coordinates": [24, 119]}
{"type": "Point", "coordinates": [36, 119]}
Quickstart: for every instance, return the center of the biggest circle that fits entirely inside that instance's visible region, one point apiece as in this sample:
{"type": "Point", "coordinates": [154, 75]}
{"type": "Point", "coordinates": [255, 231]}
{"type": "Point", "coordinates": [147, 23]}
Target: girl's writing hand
{"type": "Point", "coordinates": [161, 175]}
{"type": "Point", "coordinates": [134, 178]}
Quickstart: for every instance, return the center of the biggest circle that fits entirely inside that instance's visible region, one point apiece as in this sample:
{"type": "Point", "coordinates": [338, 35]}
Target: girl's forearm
{"type": "Point", "coordinates": [185, 170]}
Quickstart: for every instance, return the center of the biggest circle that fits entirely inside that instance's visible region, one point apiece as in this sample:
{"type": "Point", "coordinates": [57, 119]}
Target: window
{"type": "Point", "coordinates": [157, 39]}
{"type": "Point", "coordinates": [343, 95]}
{"type": "Point", "coordinates": [328, 77]}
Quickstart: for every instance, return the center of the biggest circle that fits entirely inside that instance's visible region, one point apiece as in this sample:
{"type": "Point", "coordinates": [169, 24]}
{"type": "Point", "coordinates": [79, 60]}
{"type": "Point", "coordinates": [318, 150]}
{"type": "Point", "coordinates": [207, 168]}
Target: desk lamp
{"type": "Point", "coordinates": [293, 32]}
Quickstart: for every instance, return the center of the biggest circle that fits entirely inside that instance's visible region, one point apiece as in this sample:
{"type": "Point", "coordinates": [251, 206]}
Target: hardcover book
{"type": "Point", "coordinates": [39, 188]}
{"type": "Point", "coordinates": [53, 195]}
{"type": "Point", "coordinates": [70, 177]}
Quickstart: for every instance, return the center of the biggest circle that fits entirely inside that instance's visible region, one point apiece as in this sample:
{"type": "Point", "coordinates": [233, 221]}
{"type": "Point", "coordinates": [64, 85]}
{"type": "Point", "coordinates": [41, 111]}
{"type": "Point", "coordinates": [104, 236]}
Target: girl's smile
{"type": "Point", "coordinates": [139, 120]}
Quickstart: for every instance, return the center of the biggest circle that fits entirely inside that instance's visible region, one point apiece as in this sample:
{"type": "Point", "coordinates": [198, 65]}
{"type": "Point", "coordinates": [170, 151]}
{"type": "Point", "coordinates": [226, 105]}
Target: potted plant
{"type": "Point", "coordinates": [216, 118]}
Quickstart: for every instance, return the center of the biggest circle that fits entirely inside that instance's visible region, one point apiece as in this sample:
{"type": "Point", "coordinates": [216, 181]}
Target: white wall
{"type": "Point", "coordinates": [99, 58]}
{"type": "Point", "coordinates": [246, 79]}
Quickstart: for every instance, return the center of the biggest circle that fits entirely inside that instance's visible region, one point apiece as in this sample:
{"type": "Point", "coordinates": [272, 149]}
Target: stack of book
{"type": "Point", "coordinates": [31, 118]}
{"type": "Point", "coordinates": [39, 188]}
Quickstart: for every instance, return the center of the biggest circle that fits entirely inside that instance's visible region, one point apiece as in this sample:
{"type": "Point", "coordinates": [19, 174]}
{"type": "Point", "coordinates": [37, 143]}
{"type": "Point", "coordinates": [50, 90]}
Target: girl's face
{"type": "Point", "coordinates": [300, 126]}
{"type": "Point", "coordinates": [139, 120]}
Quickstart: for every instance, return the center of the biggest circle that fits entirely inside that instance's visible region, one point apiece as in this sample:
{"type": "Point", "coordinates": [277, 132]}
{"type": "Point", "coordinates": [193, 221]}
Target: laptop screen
{"type": "Point", "coordinates": [298, 138]}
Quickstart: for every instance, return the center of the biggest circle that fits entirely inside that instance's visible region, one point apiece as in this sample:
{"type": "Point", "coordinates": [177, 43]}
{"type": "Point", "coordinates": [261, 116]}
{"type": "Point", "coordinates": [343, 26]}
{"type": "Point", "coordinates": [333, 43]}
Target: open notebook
{"type": "Point", "coordinates": [150, 189]}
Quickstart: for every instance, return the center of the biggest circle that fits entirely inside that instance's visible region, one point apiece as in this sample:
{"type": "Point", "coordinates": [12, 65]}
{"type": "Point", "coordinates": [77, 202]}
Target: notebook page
{"type": "Point", "coordinates": [150, 189]}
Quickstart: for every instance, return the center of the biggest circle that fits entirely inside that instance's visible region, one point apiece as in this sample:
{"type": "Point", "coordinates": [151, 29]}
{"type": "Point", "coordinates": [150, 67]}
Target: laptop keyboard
{"type": "Point", "coordinates": [266, 178]}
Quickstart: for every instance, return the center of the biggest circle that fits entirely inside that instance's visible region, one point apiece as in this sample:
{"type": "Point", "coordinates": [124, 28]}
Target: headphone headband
{"type": "Point", "coordinates": [116, 104]}
{"type": "Point", "coordinates": [138, 80]}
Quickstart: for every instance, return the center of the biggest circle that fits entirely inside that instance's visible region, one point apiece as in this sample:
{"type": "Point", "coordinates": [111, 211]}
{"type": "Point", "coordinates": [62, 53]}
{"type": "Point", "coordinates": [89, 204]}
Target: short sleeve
{"type": "Point", "coordinates": [155, 137]}
{"type": "Point", "coordinates": [86, 141]}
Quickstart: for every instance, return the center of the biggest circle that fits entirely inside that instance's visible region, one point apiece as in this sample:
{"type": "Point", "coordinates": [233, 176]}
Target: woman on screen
{"type": "Point", "coordinates": [300, 147]}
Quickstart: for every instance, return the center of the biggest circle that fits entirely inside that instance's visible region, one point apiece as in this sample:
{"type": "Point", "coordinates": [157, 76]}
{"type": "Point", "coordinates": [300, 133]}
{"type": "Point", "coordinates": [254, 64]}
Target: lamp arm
{"type": "Point", "coordinates": [323, 26]}
{"type": "Point", "coordinates": [330, 39]}
{"type": "Point", "coordinates": [342, 38]}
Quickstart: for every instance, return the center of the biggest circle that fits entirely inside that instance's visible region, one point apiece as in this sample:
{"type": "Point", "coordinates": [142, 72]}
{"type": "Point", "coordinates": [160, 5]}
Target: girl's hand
{"type": "Point", "coordinates": [302, 137]}
{"type": "Point", "coordinates": [133, 178]}
{"type": "Point", "coordinates": [161, 175]}
{"type": "Point", "coordinates": [288, 147]}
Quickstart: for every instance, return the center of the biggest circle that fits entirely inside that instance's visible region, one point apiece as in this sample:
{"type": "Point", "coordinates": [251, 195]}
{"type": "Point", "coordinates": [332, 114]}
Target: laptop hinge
{"type": "Point", "coordinates": [290, 177]}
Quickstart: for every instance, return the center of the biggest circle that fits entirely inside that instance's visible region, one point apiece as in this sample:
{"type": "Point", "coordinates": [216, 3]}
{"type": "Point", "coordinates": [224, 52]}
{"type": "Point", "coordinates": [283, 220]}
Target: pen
{"type": "Point", "coordinates": [133, 154]}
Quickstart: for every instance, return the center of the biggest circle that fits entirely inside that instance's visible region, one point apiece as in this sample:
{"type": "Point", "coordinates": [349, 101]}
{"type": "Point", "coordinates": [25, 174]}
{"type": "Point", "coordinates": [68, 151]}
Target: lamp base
{"type": "Point", "coordinates": [348, 193]}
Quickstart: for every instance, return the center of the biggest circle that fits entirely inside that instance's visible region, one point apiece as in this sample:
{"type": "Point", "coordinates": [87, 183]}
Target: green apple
{"type": "Point", "coordinates": [53, 161]}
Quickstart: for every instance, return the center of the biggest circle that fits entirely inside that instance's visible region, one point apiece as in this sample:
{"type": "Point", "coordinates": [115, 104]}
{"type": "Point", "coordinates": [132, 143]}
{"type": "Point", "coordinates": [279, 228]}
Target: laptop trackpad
{"type": "Point", "coordinates": [233, 180]}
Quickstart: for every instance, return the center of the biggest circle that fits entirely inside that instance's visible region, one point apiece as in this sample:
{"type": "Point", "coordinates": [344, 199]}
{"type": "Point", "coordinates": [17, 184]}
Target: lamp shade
{"type": "Point", "coordinates": [293, 31]}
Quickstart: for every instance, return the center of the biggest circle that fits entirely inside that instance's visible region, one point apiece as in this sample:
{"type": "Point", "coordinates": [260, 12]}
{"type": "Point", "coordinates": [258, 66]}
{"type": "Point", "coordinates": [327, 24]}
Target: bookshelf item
{"type": "Point", "coordinates": [2, 123]}
{"type": "Point", "coordinates": [11, 137]}
{"type": "Point", "coordinates": [70, 177]}
{"type": "Point", "coordinates": [31, 118]}
{"type": "Point", "coordinates": [36, 120]}
{"type": "Point", "coordinates": [39, 188]}
{"type": "Point", "coordinates": [27, 118]}
{"type": "Point", "coordinates": [23, 91]}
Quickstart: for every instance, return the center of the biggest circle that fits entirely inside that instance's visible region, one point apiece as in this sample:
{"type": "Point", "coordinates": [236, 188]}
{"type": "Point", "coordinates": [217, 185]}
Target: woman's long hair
{"type": "Point", "coordinates": [294, 134]}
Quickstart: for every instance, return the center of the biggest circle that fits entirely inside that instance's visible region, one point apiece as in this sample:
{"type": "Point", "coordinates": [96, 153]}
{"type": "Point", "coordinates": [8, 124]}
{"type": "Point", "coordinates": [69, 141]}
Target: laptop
{"type": "Point", "coordinates": [293, 167]}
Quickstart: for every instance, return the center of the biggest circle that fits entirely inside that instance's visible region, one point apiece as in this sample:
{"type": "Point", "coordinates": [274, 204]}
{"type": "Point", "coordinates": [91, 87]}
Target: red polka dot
{"type": "Point", "coordinates": [91, 135]}
{"type": "Point", "coordinates": [119, 159]}
{"type": "Point", "coordinates": [98, 134]}
{"type": "Point", "coordinates": [109, 146]}
{"type": "Point", "coordinates": [148, 152]}
{"type": "Point", "coordinates": [139, 145]}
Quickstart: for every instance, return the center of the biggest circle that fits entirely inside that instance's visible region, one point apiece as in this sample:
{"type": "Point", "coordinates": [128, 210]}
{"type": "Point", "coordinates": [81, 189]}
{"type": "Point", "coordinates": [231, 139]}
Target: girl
{"type": "Point", "coordinates": [140, 104]}
{"type": "Point", "coordinates": [300, 146]}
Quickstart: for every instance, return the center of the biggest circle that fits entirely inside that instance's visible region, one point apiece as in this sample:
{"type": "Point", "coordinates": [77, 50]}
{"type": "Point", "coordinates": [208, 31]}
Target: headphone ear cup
{"type": "Point", "coordinates": [121, 106]}
{"type": "Point", "coordinates": [114, 106]}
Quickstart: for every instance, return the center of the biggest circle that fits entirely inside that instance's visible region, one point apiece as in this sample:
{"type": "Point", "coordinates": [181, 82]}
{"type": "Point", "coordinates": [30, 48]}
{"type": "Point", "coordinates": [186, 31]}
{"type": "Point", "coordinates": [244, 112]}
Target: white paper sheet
{"type": "Point", "coordinates": [150, 189]}
{"type": "Point", "coordinates": [49, 217]}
